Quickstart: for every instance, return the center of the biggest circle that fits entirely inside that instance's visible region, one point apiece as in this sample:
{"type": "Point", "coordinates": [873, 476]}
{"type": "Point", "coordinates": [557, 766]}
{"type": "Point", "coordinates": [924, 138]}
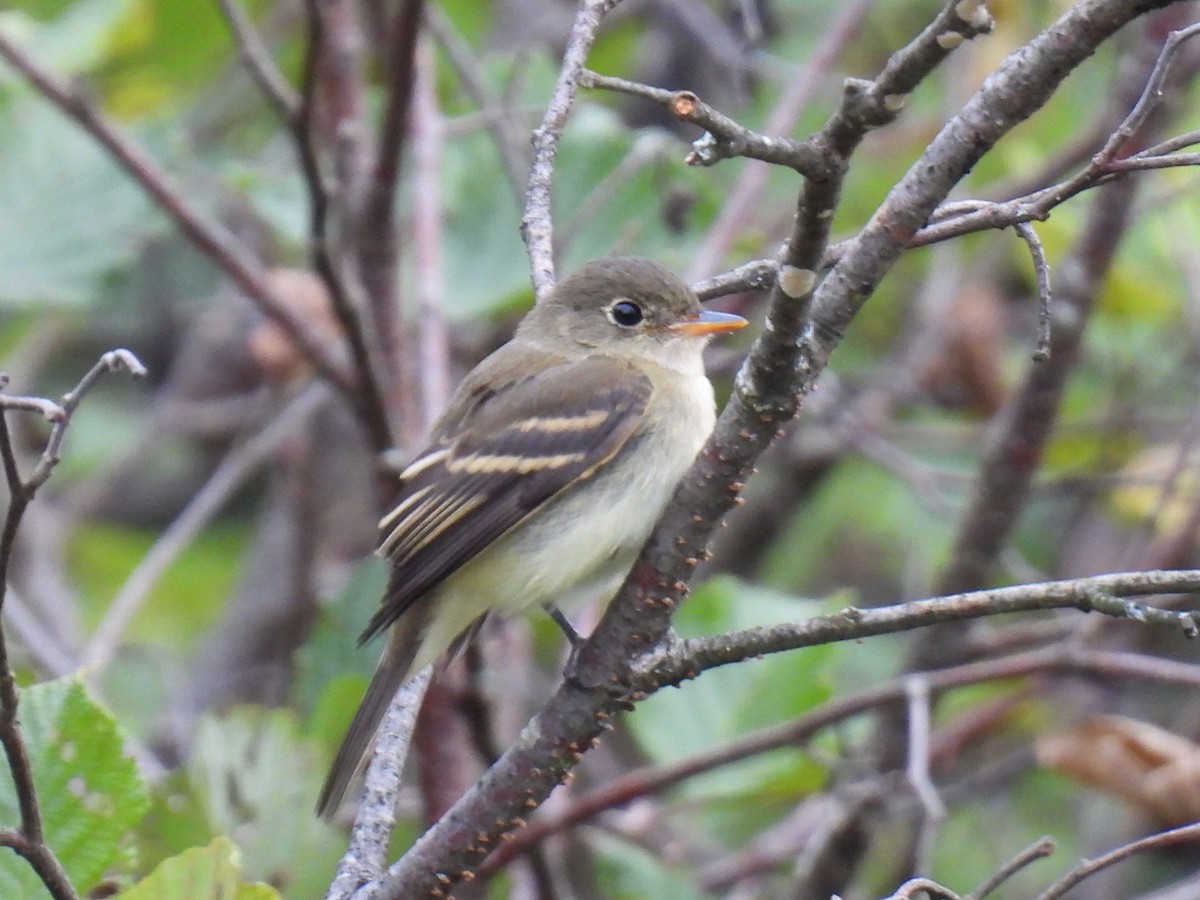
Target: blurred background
{"type": "Point", "coordinates": [201, 557]}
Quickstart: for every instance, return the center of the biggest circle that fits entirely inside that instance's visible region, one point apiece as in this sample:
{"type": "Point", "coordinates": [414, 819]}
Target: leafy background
{"type": "Point", "coordinates": [192, 780]}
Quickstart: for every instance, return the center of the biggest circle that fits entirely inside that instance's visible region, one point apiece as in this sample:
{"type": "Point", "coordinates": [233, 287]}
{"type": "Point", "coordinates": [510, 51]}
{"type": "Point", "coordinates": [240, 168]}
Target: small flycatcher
{"type": "Point", "coordinates": [545, 475]}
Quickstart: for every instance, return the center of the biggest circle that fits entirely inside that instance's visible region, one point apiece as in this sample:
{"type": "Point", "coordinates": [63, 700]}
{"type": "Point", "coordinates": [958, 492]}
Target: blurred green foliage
{"type": "Point", "coordinates": [81, 248]}
{"type": "Point", "coordinates": [90, 793]}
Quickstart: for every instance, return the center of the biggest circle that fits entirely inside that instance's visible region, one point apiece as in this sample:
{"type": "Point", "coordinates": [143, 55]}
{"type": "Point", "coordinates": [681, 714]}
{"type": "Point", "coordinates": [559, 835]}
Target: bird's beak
{"type": "Point", "coordinates": [708, 322]}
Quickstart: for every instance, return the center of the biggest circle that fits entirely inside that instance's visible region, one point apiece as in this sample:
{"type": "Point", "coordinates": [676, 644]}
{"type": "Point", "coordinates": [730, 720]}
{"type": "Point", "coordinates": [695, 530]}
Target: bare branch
{"type": "Point", "coordinates": [933, 809]}
{"type": "Point", "coordinates": [1186, 834]}
{"type": "Point", "coordinates": [29, 841]}
{"type": "Point", "coordinates": [782, 367]}
{"type": "Point", "coordinates": [374, 230]}
{"type": "Point", "coordinates": [723, 138]}
{"type": "Point", "coordinates": [537, 226]}
{"type": "Point", "coordinates": [1105, 594]}
{"type": "Point", "coordinates": [257, 60]}
{"type": "Point", "coordinates": [42, 860]}
{"type": "Point", "coordinates": [1060, 659]}
{"type": "Point", "coordinates": [798, 92]}
{"type": "Point", "coordinates": [1150, 99]}
{"type": "Point", "coordinates": [1104, 167]}
{"type": "Point", "coordinates": [756, 275]}
{"type": "Point", "coordinates": [1039, 849]}
{"type": "Point", "coordinates": [1041, 273]}
{"type": "Point", "coordinates": [325, 41]}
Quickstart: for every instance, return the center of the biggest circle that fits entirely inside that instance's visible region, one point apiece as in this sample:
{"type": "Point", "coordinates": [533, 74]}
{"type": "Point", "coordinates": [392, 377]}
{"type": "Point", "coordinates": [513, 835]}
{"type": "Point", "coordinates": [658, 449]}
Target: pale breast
{"type": "Point", "coordinates": [580, 546]}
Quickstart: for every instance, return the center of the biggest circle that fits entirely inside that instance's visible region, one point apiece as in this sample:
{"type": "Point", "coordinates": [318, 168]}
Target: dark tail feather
{"type": "Point", "coordinates": [403, 641]}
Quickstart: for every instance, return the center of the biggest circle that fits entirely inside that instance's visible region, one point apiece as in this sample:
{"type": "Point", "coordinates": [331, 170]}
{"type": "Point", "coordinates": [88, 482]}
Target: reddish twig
{"type": "Point", "coordinates": [327, 52]}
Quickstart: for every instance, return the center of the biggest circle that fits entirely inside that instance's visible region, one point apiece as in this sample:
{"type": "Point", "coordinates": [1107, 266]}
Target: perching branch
{"type": "Point", "coordinates": [782, 367]}
{"type": "Point", "coordinates": [809, 312]}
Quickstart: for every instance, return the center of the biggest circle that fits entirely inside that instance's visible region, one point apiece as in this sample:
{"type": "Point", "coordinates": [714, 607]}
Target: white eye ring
{"type": "Point", "coordinates": [625, 313]}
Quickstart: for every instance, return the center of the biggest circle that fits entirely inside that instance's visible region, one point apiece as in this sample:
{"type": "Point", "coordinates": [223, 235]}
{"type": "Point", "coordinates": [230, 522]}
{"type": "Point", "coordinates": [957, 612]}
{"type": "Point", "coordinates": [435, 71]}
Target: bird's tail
{"type": "Point", "coordinates": [403, 642]}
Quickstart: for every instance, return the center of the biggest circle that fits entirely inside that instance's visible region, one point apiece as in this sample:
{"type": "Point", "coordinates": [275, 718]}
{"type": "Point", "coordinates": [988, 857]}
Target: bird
{"type": "Point", "coordinates": [545, 475]}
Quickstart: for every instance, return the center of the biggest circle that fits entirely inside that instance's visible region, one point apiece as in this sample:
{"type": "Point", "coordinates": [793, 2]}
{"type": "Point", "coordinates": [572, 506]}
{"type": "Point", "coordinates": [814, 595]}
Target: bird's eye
{"type": "Point", "coordinates": [625, 313]}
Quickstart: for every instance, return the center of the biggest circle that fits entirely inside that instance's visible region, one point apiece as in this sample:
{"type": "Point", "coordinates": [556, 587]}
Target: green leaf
{"type": "Point", "coordinates": [332, 669]}
{"type": "Point", "coordinates": [898, 537]}
{"type": "Point", "coordinates": [628, 872]}
{"type": "Point", "coordinates": [72, 43]}
{"type": "Point", "coordinates": [486, 266]}
{"type": "Point", "coordinates": [726, 703]}
{"type": "Point", "coordinates": [202, 873]}
{"type": "Point", "coordinates": [89, 791]}
{"type": "Point", "coordinates": [167, 53]}
{"type": "Point", "coordinates": [70, 216]}
{"type": "Point", "coordinates": [258, 779]}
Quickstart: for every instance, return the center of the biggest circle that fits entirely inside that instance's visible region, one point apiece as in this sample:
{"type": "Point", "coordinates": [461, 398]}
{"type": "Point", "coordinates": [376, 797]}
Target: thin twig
{"type": "Point", "coordinates": [1106, 594]}
{"type": "Point", "coordinates": [933, 810]}
{"type": "Point", "coordinates": [377, 242]}
{"type": "Point", "coordinates": [1150, 98]}
{"type": "Point", "coordinates": [210, 237]}
{"type": "Point", "coordinates": [1187, 139]}
{"type": "Point", "coordinates": [29, 841]}
{"type": "Point", "coordinates": [1103, 168]}
{"type": "Point", "coordinates": [743, 197]}
{"type": "Point", "coordinates": [1039, 849]}
{"type": "Point", "coordinates": [1041, 270]}
{"type": "Point", "coordinates": [232, 471]}
{"type": "Point", "coordinates": [324, 202]}
{"type": "Point", "coordinates": [723, 138]}
{"type": "Point", "coordinates": [537, 226]}
{"type": "Point", "coordinates": [257, 59]}
{"type": "Point", "coordinates": [755, 275]}
{"type": "Point", "coordinates": [1041, 273]}
{"type": "Point", "coordinates": [1059, 659]}
{"type": "Point", "coordinates": [1186, 834]}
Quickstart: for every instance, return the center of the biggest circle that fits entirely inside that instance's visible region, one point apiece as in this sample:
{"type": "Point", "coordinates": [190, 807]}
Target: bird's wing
{"type": "Point", "coordinates": [508, 454]}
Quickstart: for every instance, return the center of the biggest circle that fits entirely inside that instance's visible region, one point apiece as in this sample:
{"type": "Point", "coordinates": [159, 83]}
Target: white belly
{"type": "Point", "coordinates": [578, 548]}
